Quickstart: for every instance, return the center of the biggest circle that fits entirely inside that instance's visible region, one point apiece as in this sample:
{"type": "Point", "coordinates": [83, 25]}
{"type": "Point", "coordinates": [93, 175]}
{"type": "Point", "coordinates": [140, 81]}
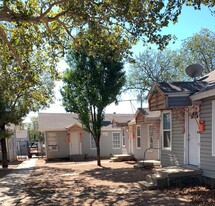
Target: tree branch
{"type": "Point", "coordinates": [14, 53]}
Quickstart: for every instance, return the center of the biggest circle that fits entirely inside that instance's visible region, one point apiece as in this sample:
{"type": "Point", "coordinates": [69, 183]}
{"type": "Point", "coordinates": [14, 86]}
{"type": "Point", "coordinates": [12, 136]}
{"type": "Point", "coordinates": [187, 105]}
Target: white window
{"type": "Point", "coordinates": [138, 136]}
{"type": "Point", "coordinates": [123, 138]}
{"type": "Point", "coordinates": [150, 135]}
{"type": "Point", "coordinates": [92, 143]}
{"type": "Point", "coordinates": [116, 140]}
{"type": "Point", "coordinates": [213, 128]}
{"type": "Point", "coordinates": [52, 141]}
{"type": "Point", "coordinates": [52, 138]}
{"type": "Point", "coordinates": [166, 130]}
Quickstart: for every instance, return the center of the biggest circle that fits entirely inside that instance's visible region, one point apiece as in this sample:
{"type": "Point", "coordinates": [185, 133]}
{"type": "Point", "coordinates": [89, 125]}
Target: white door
{"type": "Point", "coordinates": [74, 143]}
{"type": "Point", "coordinates": [193, 141]}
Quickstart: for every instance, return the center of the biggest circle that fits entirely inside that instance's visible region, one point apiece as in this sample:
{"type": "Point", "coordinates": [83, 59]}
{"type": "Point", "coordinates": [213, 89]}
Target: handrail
{"type": "Point", "coordinates": [147, 150]}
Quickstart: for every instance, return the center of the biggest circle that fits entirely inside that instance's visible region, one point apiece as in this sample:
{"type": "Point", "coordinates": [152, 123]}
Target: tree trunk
{"type": "Point", "coordinates": [4, 153]}
{"type": "Point", "coordinates": [98, 151]}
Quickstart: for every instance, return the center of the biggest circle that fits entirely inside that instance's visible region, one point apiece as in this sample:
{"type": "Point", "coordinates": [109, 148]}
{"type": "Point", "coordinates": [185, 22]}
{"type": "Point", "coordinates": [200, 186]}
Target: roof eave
{"type": "Point", "coordinates": [202, 95]}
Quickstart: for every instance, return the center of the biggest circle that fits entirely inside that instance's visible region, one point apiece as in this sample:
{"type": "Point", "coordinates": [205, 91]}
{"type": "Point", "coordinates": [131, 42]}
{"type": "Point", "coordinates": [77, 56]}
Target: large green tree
{"type": "Point", "coordinates": [198, 48]}
{"type": "Point", "coordinates": [94, 79]}
{"type": "Point", "coordinates": [149, 67]}
{"type": "Point", "coordinates": [47, 25]}
{"type": "Point", "coordinates": [21, 91]}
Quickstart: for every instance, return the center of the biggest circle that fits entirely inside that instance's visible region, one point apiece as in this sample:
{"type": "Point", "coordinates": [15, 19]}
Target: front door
{"type": "Point", "coordinates": [75, 142]}
{"type": "Point", "coordinates": [193, 139]}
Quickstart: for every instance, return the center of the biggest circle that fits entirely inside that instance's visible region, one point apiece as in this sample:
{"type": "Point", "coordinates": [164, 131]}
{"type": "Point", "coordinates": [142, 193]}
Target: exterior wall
{"type": "Point", "coordinates": [11, 148]}
{"type": "Point", "coordinates": [152, 154]}
{"type": "Point", "coordinates": [21, 134]}
{"type": "Point", "coordinates": [207, 161]}
{"type": "Point", "coordinates": [62, 146]}
{"type": "Point", "coordinates": [175, 156]}
{"type": "Point", "coordinates": [106, 147]}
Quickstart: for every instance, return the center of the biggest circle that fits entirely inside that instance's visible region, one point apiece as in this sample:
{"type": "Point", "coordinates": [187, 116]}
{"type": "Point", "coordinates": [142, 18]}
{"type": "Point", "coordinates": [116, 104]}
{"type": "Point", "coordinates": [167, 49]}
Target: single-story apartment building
{"type": "Point", "coordinates": [187, 123]}
{"type": "Point", "coordinates": [66, 138]}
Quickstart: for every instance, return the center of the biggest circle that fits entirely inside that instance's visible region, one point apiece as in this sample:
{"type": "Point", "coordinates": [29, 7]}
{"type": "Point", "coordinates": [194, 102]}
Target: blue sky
{"type": "Point", "coordinates": [190, 22]}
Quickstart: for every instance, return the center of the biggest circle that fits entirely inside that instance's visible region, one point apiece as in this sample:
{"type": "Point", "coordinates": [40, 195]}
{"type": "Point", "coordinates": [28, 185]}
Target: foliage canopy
{"type": "Point", "coordinates": [28, 28]}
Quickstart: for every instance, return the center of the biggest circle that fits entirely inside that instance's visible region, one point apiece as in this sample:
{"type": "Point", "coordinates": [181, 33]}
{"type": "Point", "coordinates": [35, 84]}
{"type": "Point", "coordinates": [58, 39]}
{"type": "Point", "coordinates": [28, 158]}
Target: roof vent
{"type": "Point", "coordinates": [194, 70]}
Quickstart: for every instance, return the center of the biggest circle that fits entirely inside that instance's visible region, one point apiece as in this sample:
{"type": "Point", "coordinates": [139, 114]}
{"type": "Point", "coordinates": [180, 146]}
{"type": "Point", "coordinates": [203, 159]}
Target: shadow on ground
{"type": "Point", "coordinates": [11, 166]}
{"type": "Point", "coordinates": [100, 186]}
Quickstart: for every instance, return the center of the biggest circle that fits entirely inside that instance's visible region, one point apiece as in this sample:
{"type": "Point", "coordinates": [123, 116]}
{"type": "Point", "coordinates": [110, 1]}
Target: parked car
{"type": "Point", "coordinates": [33, 149]}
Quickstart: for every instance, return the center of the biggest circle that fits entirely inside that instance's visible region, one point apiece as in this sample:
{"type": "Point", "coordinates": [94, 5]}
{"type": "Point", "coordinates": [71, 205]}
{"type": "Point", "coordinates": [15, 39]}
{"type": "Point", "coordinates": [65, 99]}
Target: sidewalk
{"type": "Point", "coordinates": [11, 184]}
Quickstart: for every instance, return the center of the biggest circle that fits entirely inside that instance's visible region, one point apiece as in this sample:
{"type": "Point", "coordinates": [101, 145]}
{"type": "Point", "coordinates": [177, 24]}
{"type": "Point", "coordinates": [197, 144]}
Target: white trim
{"type": "Point", "coordinates": [138, 137]}
{"type": "Point", "coordinates": [180, 94]}
{"type": "Point", "coordinates": [213, 128]}
{"type": "Point", "coordinates": [162, 142]}
{"type": "Point", "coordinates": [186, 133]}
{"type": "Point", "coordinates": [119, 140]}
{"type": "Point", "coordinates": [203, 95]}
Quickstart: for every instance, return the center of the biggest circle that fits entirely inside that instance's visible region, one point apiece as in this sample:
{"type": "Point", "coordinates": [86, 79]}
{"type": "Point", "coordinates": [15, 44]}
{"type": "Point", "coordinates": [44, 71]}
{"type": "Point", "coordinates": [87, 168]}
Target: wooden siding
{"type": "Point", "coordinates": [175, 157]}
{"type": "Point", "coordinates": [207, 161]}
{"type": "Point", "coordinates": [157, 102]}
{"type": "Point", "coordinates": [140, 118]}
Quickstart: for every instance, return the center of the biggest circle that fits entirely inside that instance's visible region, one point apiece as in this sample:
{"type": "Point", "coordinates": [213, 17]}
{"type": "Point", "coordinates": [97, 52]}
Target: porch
{"type": "Point", "coordinates": [172, 177]}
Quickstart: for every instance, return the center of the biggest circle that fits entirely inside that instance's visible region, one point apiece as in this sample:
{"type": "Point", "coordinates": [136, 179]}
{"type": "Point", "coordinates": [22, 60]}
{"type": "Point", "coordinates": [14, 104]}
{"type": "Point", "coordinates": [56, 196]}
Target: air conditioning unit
{"type": "Point", "coordinates": [53, 148]}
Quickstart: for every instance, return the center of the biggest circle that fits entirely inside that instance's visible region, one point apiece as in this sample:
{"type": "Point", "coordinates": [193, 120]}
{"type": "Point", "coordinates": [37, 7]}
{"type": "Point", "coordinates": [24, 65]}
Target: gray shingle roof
{"type": "Point", "coordinates": [175, 87]}
{"type": "Point", "coordinates": [147, 113]}
{"type": "Point", "coordinates": [210, 77]}
{"type": "Point", "coordinates": [56, 121]}
{"type": "Point", "coordinates": [119, 118]}
{"type": "Point", "coordinates": [60, 121]}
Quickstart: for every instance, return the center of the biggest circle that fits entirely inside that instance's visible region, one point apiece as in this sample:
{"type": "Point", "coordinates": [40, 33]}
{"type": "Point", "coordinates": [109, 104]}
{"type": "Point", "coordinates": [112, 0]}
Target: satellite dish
{"type": "Point", "coordinates": [194, 70]}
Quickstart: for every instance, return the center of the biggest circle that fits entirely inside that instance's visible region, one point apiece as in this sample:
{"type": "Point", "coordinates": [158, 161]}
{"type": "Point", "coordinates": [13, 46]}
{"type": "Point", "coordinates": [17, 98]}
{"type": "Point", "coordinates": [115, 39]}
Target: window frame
{"type": "Point", "coordinates": [138, 136]}
{"type": "Point", "coordinates": [166, 130]}
{"type": "Point", "coordinates": [91, 144]}
{"type": "Point", "coordinates": [118, 146]}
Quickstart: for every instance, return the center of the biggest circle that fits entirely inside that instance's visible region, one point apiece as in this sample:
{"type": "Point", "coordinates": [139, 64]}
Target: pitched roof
{"type": "Point", "coordinates": [56, 121]}
{"type": "Point", "coordinates": [183, 87]}
{"type": "Point", "coordinates": [148, 113]}
{"type": "Point", "coordinates": [209, 78]}
{"type": "Point", "coordinates": [119, 118]}
{"type": "Point", "coordinates": [61, 121]}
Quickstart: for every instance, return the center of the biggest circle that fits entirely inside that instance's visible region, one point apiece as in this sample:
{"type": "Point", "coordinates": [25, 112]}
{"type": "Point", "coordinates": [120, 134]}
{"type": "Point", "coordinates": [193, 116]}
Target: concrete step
{"type": "Point", "coordinates": [147, 185]}
{"type": "Point", "coordinates": [114, 159]}
{"type": "Point", "coordinates": [148, 164]}
{"type": "Point", "coordinates": [176, 172]}
{"type": "Point", "coordinates": [157, 181]}
{"type": "Point", "coordinates": [172, 177]}
{"type": "Point", "coordinates": [122, 157]}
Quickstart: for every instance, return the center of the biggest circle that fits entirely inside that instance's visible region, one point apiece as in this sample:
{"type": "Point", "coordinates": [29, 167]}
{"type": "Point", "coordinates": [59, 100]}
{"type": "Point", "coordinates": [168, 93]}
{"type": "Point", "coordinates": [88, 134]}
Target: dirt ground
{"type": "Point", "coordinates": [11, 166]}
{"type": "Point", "coordinates": [116, 183]}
